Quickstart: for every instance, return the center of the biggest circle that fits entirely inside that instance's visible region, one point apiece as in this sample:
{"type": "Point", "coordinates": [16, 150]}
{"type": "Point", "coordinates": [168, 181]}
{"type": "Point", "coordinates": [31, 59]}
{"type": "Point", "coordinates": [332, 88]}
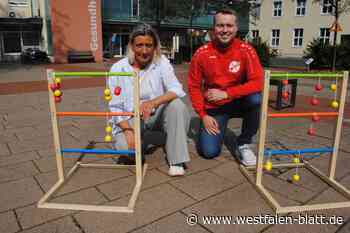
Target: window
{"type": "Point", "coordinates": [298, 37]}
{"type": "Point", "coordinates": [301, 8]}
{"type": "Point", "coordinates": [12, 42]}
{"type": "Point", "coordinates": [325, 35]}
{"type": "Point", "coordinates": [326, 7]}
{"type": "Point", "coordinates": [31, 38]}
{"type": "Point", "coordinates": [277, 8]}
{"type": "Point", "coordinates": [275, 37]}
{"type": "Point", "coordinates": [255, 36]}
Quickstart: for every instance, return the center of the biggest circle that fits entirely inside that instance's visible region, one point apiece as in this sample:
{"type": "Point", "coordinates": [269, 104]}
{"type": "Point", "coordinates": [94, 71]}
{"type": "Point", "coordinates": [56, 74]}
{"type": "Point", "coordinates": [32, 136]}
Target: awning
{"type": "Point", "coordinates": [21, 24]}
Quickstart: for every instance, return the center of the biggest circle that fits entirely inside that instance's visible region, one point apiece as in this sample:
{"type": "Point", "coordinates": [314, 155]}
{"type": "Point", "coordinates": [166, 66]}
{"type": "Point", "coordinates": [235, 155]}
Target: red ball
{"type": "Point", "coordinates": [311, 131]}
{"type": "Point", "coordinates": [58, 99]}
{"type": "Point", "coordinates": [117, 91]}
{"type": "Point", "coordinates": [285, 82]}
{"type": "Point", "coordinates": [318, 87]}
{"type": "Point", "coordinates": [315, 118]}
{"type": "Point", "coordinates": [314, 101]}
{"type": "Point", "coordinates": [285, 95]}
{"type": "Point", "coordinates": [53, 87]}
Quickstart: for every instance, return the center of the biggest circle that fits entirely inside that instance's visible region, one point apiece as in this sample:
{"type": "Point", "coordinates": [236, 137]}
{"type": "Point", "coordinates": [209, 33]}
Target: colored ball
{"type": "Point", "coordinates": [107, 91]}
{"type": "Point", "coordinates": [315, 118]}
{"type": "Point", "coordinates": [117, 91]}
{"type": "Point", "coordinates": [58, 99]}
{"type": "Point", "coordinates": [285, 95]}
{"type": "Point", "coordinates": [333, 87]}
{"type": "Point", "coordinates": [108, 97]}
{"type": "Point", "coordinates": [108, 138]}
{"type": "Point", "coordinates": [285, 82]}
{"type": "Point", "coordinates": [58, 80]}
{"type": "Point", "coordinates": [295, 177]}
{"type": "Point", "coordinates": [57, 93]}
{"type": "Point", "coordinates": [268, 166]}
{"type": "Point", "coordinates": [53, 87]}
{"type": "Point", "coordinates": [296, 160]}
{"type": "Point", "coordinates": [108, 129]}
{"type": "Point", "coordinates": [334, 104]}
{"type": "Point", "coordinates": [311, 131]}
{"type": "Point", "coordinates": [314, 101]}
{"type": "Point", "coordinates": [318, 87]}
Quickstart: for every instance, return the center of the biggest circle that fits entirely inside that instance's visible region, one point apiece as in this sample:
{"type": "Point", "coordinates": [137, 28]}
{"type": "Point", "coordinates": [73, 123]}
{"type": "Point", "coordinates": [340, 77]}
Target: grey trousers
{"type": "Point", "coordinates": [173, 119]}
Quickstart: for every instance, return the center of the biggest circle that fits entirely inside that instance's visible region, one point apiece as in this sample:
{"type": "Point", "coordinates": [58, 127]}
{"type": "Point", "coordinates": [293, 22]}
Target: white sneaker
{"type": "Point", "coordinates": [176, 171]}
{"type": "Point", "coordinates": [247, 156]}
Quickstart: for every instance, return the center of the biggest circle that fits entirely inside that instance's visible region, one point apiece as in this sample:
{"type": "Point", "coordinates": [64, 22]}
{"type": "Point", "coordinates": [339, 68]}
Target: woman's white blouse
{"type": "Point", "coordinates": [155, 81]}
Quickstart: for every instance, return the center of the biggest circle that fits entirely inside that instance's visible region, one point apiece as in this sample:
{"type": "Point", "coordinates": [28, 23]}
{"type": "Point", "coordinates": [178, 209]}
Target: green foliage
{"type": "Point", "coordinates": [323, 53]}
{"type": "Point", "coordinates": [264, 51]}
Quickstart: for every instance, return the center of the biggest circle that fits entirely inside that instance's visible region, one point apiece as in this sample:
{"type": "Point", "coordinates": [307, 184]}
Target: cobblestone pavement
{"type": "Point", "coordinates": [210, 188]}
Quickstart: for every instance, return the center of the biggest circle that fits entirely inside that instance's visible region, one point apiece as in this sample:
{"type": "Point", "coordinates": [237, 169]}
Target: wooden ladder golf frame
{"type": "Point", "coordinates": [330, 178]}
{"type": "Point", "coordinates": [63, 178]}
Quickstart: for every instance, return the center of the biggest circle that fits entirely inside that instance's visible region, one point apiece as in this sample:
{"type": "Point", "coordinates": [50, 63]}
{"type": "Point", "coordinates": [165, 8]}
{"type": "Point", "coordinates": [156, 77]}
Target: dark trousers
{"type": "Point", "coordinates": [247, 107]}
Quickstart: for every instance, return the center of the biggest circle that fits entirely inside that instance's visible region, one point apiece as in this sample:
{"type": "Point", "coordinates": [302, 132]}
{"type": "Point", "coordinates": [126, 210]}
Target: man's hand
{"type": "Point", "coordinates": [214, 95]}
{"type": "Point", "coordinates": [211, 125]}
{"type": "Point", "coordinates": [146, 109]}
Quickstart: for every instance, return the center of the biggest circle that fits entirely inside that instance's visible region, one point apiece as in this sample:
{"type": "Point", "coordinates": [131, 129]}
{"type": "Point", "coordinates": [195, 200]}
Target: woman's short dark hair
{"type": "Point", "coordinates": [144, 30]}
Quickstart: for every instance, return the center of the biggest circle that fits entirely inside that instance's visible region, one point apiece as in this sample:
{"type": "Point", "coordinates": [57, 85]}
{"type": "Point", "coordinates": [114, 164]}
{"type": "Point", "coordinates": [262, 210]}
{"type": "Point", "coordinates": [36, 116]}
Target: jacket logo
{"type": "Point", "coordinates": [234, 66]}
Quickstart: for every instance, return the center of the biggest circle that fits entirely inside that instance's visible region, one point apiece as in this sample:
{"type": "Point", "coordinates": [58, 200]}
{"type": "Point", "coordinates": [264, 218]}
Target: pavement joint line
{"type": "Point", "coordinates": [77, 224]}
{"type": "Point", "coordinates": [38, 183]}
{"type": "Point", "coordinates": [103, 195]}
{"type": "Point", "coordinates": [17, 220]}
{"type": "Point", "coordinates": [347, 222]}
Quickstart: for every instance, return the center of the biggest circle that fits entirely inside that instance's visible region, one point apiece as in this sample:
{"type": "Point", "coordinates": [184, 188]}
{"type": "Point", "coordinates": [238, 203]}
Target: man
{"type": "Point", "coordinates": [225, 81]}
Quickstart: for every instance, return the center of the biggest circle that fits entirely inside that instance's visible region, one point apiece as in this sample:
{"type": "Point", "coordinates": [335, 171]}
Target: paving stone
{"type": "Point", "coordinates": [30, 145]}
{"type": "Point", "coordinates": [5, 138]}
{"type": "Point", "coordinates": [242, 200]}
{"type": "Point", "coordinates": [202, 185]}
{"type": "Point", "coordinates": [172, 223]}
{"type": "Point", "coordinates": [19, 193]}
{"type": "Point", "coordinates": [84, 177]}
{"type": "Point", "coordinates": [292, 191]}
{"type": "Point", "coordinates": [48, 164]}
{"type": "Point", "coordinates": [124, 186]}
{"type": "Point", "coordinates": [4, 151]}
{"type": "Point", "coordinates": [30, 216]}
{"type": "Point", "coordinates": [345, 228]}
{"type": "Point", "coordinates": [151, 205]}
{"type": "Point", "coordinates": [230, 170]}
{"type": "Point", "coordinates": [17, 171]}
{"type": "Point", "coordinates": [18, 158]}
{"type": "Point", "coordinates": [63, 225]}
{"type": "Point", "coordinates": [8, 223]}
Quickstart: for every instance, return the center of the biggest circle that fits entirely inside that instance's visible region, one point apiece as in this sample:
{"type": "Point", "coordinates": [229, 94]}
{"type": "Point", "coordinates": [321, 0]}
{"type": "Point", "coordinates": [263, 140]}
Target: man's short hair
{"type": "Point", "coordinates": [225, 11]}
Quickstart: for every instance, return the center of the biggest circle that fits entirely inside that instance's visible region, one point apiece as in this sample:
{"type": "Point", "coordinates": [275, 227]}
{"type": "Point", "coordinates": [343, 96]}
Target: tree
{"type": "Point", "coordinates": [338, 7]}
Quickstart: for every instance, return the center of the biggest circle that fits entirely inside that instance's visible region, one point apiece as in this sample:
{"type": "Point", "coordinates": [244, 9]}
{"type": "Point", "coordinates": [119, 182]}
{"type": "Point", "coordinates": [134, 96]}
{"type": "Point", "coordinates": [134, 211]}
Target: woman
{"type": "Point", "coordinates": [160, 94]}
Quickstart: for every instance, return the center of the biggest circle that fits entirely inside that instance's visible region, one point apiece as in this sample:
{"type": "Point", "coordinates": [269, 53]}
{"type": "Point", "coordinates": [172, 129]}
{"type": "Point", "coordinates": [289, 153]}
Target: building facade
{"type": "Point", "coordinates": [290, 25]}
{"type": "Point", "coordinates": [23, 24]}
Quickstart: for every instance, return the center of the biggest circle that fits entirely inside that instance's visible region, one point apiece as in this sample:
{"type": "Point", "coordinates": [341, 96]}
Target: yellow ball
{"type": "Point", "coordinates": [334, 104]}
{"type": "Point", "coordinates": [333, 87]}
{"type": "Point", "coordinates": [108, 129]}
{"type": "Point", "coordinates": [58, 80]}
{"type": "Point", "coordinates": [296, 160]}
{"type": "Point", "coordinates": [107, 92]}
{"type": "Point", "coordinates": [108, 138]}
{"type": "Point", "coordinates": [57, 93]}
{"type": "Point", "coordinates": [295, 177]}
{"type": "Point", "coordinates": [268, 166]}
{"type": "Point", "coordinates": [108, 97]}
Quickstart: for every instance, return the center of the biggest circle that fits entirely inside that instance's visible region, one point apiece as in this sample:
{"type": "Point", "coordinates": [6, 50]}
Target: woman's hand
{"type": "Point", "coordinates": [146, 109]}
{"type": "Point", "coordinates": [130, 138]}
{"type": "Point", "coordinates": [213, 95]}
{"type": "Point", "coordinates": [211, 125]}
